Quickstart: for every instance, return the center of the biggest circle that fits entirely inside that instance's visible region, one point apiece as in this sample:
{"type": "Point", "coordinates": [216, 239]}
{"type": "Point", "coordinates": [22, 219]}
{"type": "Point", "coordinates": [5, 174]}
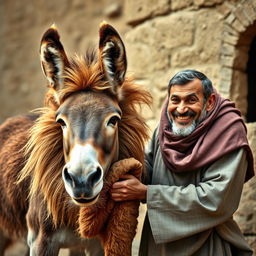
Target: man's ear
{"type": "Point", "coordinates": [210, 102]}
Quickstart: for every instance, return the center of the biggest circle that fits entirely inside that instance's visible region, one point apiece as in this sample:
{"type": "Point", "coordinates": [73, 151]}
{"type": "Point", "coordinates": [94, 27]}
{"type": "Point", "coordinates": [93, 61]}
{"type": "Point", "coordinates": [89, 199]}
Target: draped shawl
{"type": "Point", "coordinates": [221, 132]}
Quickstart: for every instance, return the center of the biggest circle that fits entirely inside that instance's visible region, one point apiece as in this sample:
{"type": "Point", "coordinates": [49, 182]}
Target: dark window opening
{"type": "Point", "coordinates": [251, 75]}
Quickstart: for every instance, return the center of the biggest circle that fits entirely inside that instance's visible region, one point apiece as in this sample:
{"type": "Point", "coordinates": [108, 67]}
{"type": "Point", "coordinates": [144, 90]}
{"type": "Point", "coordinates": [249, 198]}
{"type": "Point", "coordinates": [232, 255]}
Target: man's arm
{"type": "Point", "coordinates": [195, 208]}
{"type": "Point", "coordinates": [176, 212]}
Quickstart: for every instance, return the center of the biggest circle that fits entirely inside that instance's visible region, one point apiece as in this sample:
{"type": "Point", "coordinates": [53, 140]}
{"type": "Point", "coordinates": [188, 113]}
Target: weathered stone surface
{"type": "Point", "coordinates": [174, 30]}
{"type": "Point", "coordinates": [208, 44]}
{"type": "Point", "coordinates": [177, 4]}
{"type": "Point", "coordinates": [22, 25]}
{"type": "Point", "coordinates": [248, 10]}
{"type": "Point", "coordinates": [137, 11]}
{"type": "Point", "coordinates": [238, 26]}
{"type": "Point", "coordinates": [200, 52]}
{"type": "Point", "coordinates": [228, 38]}
{"type": "Point", "coordinates": [146, 54]}
{"type": "Point", "coordinates": [207, 2]}
{"type": "Point", "coordinates": [226, 61]}
{"type": "Point", "coordinates": [224, 9]}
{"type": "Point", "coordinates": [241, 15]}
{"type": "Point", "coordinates": [113, 10]}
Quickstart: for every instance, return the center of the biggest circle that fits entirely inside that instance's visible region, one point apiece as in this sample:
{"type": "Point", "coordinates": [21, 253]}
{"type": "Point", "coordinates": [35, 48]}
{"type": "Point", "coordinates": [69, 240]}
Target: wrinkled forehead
{"type": "Point", "coordinates": [84, 105]}
{"type": "Point", "coordinates": [192, 87]}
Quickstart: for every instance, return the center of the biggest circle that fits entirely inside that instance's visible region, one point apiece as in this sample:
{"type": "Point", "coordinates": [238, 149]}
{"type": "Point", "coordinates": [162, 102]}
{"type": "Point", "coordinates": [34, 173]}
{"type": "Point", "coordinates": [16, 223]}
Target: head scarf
{"type": "Point", "coordinates": [221, 132]}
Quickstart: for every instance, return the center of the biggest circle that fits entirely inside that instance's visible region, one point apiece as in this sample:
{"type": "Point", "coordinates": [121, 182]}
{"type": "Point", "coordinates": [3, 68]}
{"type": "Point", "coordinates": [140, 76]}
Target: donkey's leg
{"type": "Point", "coordinates": [75, 252]}
{"type": "Point", "coordinates": [4, 242]}
{"type": "Point", "coordinates": [42, 245]}
{"type": "Point", "coordinates": [40, 232]}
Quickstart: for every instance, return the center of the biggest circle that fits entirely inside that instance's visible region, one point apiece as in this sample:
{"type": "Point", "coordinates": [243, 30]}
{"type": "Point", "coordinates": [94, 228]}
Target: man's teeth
{"type": "Point", "coordinates": [184, 117]}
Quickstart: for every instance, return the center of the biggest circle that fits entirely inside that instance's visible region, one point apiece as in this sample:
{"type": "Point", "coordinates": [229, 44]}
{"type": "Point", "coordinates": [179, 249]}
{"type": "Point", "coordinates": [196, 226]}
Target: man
{"type": "Point", "coordinates": [197, 162]}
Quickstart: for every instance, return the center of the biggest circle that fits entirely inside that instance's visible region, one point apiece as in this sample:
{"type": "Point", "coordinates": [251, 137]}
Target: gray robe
{"type": "Point", "coordinates": [190, 213]}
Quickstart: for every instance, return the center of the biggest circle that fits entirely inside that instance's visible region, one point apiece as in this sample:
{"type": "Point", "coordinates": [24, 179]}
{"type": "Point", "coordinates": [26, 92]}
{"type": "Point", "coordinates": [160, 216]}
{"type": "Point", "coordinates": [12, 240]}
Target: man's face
{"type": "Point", "coordinates": [186, 107]}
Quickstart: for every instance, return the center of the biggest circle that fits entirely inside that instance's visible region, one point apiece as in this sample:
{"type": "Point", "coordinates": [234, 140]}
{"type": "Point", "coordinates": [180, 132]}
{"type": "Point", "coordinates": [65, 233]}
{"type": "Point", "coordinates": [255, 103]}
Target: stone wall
{"type": "Point", "coordinates": [161, 37]}
{"type": "Point", "coordinates": [22, 83]}
{"type": "Point", "coordinates": [212, 36]}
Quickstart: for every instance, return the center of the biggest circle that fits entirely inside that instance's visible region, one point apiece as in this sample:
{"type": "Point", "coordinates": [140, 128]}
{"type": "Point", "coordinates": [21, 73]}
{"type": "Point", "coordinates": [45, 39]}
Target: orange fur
{"type": "Point", "coordinates": [114, 222]}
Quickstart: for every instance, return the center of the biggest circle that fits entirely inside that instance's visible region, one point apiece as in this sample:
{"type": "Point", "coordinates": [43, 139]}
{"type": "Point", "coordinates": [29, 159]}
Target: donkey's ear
{"type": "Point", "coordinates": [53, 57]}
{"type": "Point", "coordinates": [112, 55]}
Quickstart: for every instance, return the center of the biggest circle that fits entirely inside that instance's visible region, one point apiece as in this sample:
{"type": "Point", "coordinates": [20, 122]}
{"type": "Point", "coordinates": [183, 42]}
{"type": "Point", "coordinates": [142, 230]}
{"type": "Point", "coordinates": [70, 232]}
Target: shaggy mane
{"type": "Point", "coordinates": [44, 150]}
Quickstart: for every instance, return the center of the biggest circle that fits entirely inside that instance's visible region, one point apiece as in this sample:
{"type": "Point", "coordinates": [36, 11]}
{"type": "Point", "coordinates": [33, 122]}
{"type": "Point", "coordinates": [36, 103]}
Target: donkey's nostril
{"type": "Point", "coordinates": [68, 177]}
{"type": "Point", "coordinates": [95, 176]}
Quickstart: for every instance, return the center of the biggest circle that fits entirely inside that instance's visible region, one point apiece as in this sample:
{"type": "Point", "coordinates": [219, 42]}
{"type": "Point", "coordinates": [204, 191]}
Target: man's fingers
{"type": "Point", "coordinates": [123, 183]}
{"type": "Point", "coordinates": [117, 197]}
{"type": "Point", "coordinates": [118, 184]}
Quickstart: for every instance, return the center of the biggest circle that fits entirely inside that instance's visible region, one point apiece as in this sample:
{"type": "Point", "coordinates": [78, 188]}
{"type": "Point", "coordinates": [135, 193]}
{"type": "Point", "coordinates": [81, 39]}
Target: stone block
{"type": "Point", "coordinates": [230, 19]}
{"type": "Point", "coordinates": [207, 2]}
{"type": "Point", "coordinates": [241, 16]}
{"type": "Point", "coordinates": [227, 49]}
{"type": "Point", "coordinates": [140, 10]}
{"type": "Point", "coordinates": [238, 26]}
{"type": "Point", "coordinates": [184, 57]}
{"type": "Point", "coordinates": [224, 9]}
{"type": "Point", "coordinates": [139, 58]}
{"type": "Point", "coordinates": [226, 74]}
{"type": "Point", "coordinates": [177, 4]}
{"type": "Point", "coordinates": [150, 45]}
{"type": "Point", "coordinates": [249, 11]}
{"type": "Point", "coordinates": [174, 30]}
{"type": "Point", "coordinates": [224, 88]}
{"type": "Point", "coordinates": [208, 44]}
{"type": "Point", "coordinates": [227, 61]}
{"type": "Point", "coordinates": [144, 59]}
{"type": "Point", "coordinates": [228, 38]}
{"type": "Point", "coordinates": [228, 29]}
{"type": "Point", "coordinates": [211, 71]}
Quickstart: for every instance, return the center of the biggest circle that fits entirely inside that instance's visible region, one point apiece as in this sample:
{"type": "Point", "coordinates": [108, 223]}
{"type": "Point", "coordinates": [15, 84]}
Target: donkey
{"type": "Point", "coordinates": [55, 164]}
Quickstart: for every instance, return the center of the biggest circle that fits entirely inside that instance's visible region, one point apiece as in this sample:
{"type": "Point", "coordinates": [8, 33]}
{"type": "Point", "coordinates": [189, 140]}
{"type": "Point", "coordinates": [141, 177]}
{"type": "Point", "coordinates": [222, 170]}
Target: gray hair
{"type": "Point", "coordinates": [185, 76]}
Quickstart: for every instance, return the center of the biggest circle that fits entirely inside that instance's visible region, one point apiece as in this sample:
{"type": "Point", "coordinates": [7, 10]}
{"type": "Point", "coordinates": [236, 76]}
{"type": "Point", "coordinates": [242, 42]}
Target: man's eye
{"type": "Point", "coordinates": [192, 100]}
{"type": "Point", "coordinates": [175, 100]}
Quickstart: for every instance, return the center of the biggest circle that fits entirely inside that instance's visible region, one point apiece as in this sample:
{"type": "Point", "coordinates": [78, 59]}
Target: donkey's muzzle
{"type": "Point", "coordinates": [83, 188]}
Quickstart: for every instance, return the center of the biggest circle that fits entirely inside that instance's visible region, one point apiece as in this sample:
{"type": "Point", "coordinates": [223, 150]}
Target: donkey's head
{"type": "Point", "coordinates": [84, 96]}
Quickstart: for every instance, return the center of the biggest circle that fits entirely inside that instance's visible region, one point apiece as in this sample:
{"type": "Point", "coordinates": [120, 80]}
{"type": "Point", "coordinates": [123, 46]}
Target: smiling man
{"type": "Point", "coordinates": [188, 105]}
{"type": "Point", "coordinates": [197, 162]}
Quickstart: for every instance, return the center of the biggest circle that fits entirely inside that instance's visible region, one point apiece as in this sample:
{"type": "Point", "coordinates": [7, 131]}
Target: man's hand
{"type": "Point", "coordinates": [128, 189]}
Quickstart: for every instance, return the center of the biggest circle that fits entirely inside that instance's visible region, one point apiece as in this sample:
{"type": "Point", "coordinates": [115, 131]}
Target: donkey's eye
{"type": "Point", "coordinates": [61, 122]}
{"type": "Point", "coordinates": [113, 120]}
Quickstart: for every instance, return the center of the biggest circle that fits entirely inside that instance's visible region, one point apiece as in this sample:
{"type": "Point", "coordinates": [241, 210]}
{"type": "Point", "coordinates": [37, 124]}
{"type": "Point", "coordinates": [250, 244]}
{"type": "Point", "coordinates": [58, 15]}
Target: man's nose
{"type": "Point", "coordinates": [182, 108]}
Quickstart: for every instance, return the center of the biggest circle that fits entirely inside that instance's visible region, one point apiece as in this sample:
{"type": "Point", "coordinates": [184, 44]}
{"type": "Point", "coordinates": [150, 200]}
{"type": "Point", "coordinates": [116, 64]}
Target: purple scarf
{"type": "Point", "coordinates": [221, 132]}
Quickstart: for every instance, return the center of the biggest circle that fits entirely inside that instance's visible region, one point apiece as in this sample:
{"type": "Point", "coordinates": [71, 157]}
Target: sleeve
{"type": "Point", "coordinates": [177, 212]}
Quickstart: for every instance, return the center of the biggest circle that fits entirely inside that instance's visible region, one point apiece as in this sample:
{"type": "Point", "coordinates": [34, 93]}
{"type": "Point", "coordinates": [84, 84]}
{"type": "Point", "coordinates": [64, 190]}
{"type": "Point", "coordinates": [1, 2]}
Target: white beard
{"type": "Point", "coordinates": [185, 131]}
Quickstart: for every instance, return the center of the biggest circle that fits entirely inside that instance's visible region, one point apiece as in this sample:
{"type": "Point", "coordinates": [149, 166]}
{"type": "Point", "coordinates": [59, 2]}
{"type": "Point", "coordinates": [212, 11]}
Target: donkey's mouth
{"type": "Point", "coordinates": [85, 202]}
